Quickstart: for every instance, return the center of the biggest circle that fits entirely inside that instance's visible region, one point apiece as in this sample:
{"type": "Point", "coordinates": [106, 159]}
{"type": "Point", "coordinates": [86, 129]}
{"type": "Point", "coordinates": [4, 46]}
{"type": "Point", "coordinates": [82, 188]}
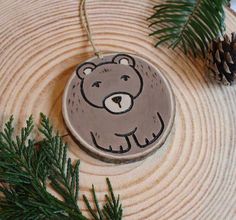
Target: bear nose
{"type": "Point", "coordinates": [117, 99]}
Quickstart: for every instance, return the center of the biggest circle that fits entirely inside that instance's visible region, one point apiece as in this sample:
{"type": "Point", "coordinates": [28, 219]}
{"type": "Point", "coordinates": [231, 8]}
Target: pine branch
{"type": "Point", "coordinates": [25, 170]}
{"type": "Point", "coordinates": [63, 175]}
{"type": "Point", "coordinates": [189, 24]}
{"type": "Point", "coordinates": [112, 210]}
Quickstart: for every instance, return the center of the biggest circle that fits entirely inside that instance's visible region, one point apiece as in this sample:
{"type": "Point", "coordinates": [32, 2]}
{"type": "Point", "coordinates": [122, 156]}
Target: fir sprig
{"type": "Point", "coordinates": [25, 171]}
{"type": "Point", "coordinates": [190, 24]}
{"type": "Point", "coordinates": [112, 209]}
{"type": "Point", "coordinates": [63, 175]}
{"type": "Point", "coordinates": [28, 168]}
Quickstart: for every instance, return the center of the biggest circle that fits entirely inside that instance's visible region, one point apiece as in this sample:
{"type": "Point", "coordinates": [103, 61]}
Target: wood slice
{"type": "Point", "coordinates": [194, 178]}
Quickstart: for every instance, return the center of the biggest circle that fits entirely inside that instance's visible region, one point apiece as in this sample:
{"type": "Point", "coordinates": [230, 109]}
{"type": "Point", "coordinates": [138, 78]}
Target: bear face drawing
{"type": "Point", "coordinates": [120, 108]}
{"type": "Point", "coordinates": [100, 91]}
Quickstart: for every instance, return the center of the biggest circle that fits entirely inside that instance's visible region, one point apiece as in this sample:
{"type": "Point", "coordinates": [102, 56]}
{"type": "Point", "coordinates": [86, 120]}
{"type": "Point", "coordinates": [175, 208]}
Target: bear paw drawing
{"type": "Point", "coordinates": [123, 145]}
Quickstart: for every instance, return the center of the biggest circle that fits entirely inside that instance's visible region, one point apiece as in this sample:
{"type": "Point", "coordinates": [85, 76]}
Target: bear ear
{"type": "Point", "coordinates": [85, 69]}
{"type": "Point", "coordinates": [124, 59]}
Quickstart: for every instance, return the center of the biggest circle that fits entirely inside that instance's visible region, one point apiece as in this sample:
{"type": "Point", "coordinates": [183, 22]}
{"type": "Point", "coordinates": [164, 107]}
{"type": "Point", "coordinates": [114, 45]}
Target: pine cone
{"type": "Point", "coordinates": [221, 59]}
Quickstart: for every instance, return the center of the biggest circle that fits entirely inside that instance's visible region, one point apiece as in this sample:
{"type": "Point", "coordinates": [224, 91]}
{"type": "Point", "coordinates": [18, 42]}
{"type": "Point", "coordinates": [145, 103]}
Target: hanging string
{"type": "Point", "coordinates": [85, 23]}
{"type": "Point", "coordinates": [86, 26]}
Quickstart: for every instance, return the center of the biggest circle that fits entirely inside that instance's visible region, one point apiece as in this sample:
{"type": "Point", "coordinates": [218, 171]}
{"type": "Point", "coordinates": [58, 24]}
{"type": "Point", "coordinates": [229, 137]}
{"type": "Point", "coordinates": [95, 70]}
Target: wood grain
{"type": "Point", "coordinates": [194, 178]}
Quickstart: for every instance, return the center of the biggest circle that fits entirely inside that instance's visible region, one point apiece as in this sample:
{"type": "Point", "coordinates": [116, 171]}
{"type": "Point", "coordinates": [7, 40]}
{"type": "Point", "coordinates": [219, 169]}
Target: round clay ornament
{"type": "Point", "coordinates": [120, 108]}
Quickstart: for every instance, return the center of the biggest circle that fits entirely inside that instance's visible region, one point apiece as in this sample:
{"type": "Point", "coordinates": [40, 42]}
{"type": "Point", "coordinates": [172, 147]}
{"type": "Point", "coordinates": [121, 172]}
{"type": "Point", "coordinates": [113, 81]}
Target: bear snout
{"type": "Point", "coordinates": [118, 103]}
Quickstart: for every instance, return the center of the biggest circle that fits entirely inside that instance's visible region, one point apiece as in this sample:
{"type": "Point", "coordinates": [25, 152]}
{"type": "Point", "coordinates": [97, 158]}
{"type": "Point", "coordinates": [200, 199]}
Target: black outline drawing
{"type": "Point", "coordinates": [111, 62]}
{"type": "Point", "coordinates": [84, 64]}
{"type": "Point", "coordinates": [155, 136]}
{"type": "Point", "coordinates": [127, 135]}
{"type": "Point", "coordinates": [119, 93]}
{"type": "Point", "coordinates": [110, 150]}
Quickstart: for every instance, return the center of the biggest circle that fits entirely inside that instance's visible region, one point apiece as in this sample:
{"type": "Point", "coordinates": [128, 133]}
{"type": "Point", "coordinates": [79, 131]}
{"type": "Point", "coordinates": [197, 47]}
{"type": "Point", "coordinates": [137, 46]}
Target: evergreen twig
{"type": "Point", "coordinates": [112, 210]}
{"type": "Point", "coordinates": [25, 171]}
{"type": "Point", "coordinates": [189, 24]}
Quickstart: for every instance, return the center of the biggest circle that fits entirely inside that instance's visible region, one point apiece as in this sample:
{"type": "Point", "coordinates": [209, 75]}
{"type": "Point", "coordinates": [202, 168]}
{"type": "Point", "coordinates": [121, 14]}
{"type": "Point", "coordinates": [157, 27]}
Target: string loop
{"type": "Point", "coordinates": [85, 23]}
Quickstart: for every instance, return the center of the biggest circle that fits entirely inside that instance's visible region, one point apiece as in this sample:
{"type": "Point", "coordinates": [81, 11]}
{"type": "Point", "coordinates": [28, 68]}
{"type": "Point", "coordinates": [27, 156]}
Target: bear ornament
{"type": "Point", "coordinates": [120, 107]}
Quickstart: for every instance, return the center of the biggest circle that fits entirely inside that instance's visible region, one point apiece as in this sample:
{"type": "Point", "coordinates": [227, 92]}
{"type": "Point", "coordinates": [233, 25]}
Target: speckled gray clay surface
{"type": "Point", "coordinates": [119, 107]}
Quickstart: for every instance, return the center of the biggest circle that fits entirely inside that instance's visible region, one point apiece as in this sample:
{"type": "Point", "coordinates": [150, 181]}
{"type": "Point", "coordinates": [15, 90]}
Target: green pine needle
{"type": "Point", "coordinates": [112, 210]}
{"type": "Point", "coordinates": [63, 175]}
{"type": "Point", "coordinates": [26, 169]}
{"type": "Point", "coordinates": [191, 24]}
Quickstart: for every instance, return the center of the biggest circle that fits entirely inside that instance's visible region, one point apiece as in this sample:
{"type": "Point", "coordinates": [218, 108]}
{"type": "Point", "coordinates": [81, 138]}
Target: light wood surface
{"type": "Point", "coordinates": [41, 42]}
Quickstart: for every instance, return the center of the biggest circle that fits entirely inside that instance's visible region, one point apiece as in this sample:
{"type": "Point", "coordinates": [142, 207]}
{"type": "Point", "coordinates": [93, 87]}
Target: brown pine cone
{"type": "Point", "coordinates": [221, 59]}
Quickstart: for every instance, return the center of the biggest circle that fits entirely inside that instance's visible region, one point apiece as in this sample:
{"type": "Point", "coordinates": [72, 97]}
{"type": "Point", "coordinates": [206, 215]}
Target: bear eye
{"type": "Point", "coordinates": [96, 84]}
{"type": "Point", "coordinates": [125, 77]}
